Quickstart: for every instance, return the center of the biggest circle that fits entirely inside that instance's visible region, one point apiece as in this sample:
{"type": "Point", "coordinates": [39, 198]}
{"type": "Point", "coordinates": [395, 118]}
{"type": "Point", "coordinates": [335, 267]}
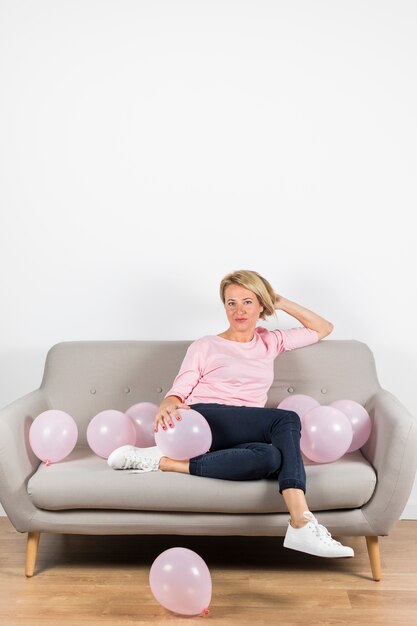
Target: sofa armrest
{"type": "Point", "coordinates": [17, 460]}
{"type": "Point", "coordinates": [392, 450]}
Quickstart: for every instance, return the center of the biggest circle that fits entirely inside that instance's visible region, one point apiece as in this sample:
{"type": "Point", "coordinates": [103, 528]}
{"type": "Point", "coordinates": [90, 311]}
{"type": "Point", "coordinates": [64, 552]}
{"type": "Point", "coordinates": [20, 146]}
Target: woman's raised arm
{"type": "Point", "coordinates": [305, 316]}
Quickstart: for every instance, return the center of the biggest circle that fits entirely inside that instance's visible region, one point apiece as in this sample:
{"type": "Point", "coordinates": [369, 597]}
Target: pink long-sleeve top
{"type": "Point", "coordinates": [235, 373]}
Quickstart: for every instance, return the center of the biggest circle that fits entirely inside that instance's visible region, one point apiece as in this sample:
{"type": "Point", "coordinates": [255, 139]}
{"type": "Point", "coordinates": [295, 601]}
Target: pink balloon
{"type": "Point", "coordinates": [189, 437]}
{"type": "Point", "coordinates": [53, 435]}
{"type": "Point", "coordinates": [143, 417]}
{"type": "Point", "coordinates": [359, 418]}
{"type": "Point", "coordinates": [326, 434]}
{"type": "Point", "coordinates": [109, 430]}
{"type": "Point", "coordinates": [299, 403]}
{"type": "Point", "coordinates": [180, 580]}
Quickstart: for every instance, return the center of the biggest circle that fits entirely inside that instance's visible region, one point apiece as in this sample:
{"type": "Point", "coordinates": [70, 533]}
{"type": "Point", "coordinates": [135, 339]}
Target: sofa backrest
{"type": "Point", "coordinates": [86, 377]}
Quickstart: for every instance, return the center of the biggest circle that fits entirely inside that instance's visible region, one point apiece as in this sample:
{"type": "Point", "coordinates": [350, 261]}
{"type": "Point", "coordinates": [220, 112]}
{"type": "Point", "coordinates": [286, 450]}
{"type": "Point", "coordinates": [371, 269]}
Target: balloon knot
{"type": "Point", "coordinates": [47, 462]}
{"type": "Point", "coordinates": [206, 611]}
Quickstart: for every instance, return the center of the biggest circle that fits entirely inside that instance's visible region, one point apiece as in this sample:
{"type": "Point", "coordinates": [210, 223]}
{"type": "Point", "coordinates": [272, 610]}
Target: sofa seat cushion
{"type": "Point", "coordinates": [83, 480]}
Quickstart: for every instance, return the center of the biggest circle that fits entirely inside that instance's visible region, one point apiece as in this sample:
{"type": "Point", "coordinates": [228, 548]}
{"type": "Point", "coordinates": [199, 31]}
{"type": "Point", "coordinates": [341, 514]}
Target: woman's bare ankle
{"type": "Point", "coordinates": [172, 465]}
{"type": "Point", "coordinates": [298, 521]}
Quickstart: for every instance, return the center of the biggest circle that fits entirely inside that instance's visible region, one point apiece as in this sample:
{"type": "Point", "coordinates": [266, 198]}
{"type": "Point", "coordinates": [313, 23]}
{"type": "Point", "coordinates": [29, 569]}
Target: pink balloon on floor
{"type": "Point", "coordinates": [360, 420]}
{"type": "Point", "coordinates": [142, 415]}
{"type": "Point", "coordinates": [299, 402]}
{"type": "Point", "coordinates": [326, 434]}
{"type": "Point", "coordinates": [180, 580]}
{"type": "Point", "coordinates": [188, 438]}
{"type": "Point", "coordinates": [109, 430]}
{"type": "Point", "coordinates": [53, 435]}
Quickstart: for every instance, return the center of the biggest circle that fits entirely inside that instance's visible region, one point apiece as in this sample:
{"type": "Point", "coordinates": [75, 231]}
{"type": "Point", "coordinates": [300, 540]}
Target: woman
{"type": "Point", "coordinates": [226, 378]}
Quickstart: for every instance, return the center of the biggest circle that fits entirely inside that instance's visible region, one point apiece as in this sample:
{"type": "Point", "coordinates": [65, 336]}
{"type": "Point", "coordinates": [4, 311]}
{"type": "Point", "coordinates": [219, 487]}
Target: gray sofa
{"type": "Point", "coordinates": [363, 493]}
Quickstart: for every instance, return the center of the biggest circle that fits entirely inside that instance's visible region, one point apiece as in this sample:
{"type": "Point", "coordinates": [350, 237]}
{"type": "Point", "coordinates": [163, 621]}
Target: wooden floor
{"type": "Point", "coordinates": [99, 580]}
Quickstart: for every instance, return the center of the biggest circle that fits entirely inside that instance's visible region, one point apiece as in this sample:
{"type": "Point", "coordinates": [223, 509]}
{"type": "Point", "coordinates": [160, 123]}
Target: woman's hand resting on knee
{"type": "Point", "coordinates": [167, 411]}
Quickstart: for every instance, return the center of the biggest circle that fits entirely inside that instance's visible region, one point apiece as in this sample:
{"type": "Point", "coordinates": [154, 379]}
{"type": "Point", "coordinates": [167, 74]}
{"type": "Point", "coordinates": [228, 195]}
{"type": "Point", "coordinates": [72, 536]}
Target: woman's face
{"type": "Point", "coordinates": [242, 308]}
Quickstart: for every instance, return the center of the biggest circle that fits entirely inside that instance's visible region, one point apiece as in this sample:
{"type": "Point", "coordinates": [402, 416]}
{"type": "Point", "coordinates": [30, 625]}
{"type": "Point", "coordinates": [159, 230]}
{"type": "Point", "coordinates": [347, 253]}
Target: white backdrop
{"type": "Point", "coordinates": [150, 147]}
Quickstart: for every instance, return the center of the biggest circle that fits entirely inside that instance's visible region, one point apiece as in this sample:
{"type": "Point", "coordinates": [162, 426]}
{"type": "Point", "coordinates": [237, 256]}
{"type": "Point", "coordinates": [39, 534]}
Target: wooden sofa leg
{"type": "Point", "coordinates": [372, 544]}
{"type": "Point", "coordinates": [31, 552]}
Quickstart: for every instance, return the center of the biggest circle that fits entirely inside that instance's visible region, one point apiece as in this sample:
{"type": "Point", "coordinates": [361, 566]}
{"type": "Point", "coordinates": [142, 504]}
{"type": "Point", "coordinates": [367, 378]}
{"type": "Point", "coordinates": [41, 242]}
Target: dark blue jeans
{"type": "Point", "coordinates": [241, 447]}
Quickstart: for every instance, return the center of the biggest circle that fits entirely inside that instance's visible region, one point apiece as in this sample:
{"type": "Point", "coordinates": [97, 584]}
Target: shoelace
{"type": "Point", "coordinates": [139, 462]}
{"type": "Point", "coordinates": [320, 530]}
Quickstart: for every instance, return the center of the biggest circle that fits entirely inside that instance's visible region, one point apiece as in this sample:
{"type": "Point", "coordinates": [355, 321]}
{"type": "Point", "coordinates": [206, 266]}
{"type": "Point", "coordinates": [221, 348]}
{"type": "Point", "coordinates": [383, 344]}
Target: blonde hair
{"type": "Point", "coordinates": [255, 283]}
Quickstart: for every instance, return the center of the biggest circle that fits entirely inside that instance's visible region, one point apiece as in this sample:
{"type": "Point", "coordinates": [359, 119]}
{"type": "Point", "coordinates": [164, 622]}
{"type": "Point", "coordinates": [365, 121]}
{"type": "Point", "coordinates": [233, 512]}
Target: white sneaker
{"type": "Point", "coordinates": [313, 538]}
{"type": "Point", "coordinates": [140, 459]}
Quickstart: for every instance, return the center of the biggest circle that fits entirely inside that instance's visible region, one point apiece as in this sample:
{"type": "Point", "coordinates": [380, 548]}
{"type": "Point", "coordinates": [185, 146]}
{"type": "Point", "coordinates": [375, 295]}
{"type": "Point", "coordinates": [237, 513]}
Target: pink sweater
{"type": "Point", "coordinates": [219, 370]}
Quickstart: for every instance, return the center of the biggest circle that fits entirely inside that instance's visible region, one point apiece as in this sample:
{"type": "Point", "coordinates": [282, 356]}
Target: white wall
{"type": "Point", "coordinates": [150, 147]}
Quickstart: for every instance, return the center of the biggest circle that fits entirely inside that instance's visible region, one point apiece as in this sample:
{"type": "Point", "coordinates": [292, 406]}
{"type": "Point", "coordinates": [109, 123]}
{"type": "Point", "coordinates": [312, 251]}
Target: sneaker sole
{"type": "Point", "coordinates": [323, 556]}
{"type": "Point", "coordinates": [326, 556]}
